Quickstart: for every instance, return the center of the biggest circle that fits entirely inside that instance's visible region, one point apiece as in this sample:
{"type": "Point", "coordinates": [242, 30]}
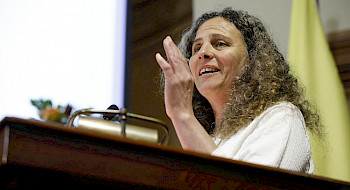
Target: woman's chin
{"type": "Point", "coordinates": [208, 90]}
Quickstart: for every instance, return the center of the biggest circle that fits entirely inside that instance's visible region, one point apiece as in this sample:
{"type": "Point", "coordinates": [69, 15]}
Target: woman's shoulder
{"type": "Point", "coordinates": [283, 108]}
{"type": "Point", "coordinates": [283, 117]}
{"type": "Point", "coordinates": [276, 138]}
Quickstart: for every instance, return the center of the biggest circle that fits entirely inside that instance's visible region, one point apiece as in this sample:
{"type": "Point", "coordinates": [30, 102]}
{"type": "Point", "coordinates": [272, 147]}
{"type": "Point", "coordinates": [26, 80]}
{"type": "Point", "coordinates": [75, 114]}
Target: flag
{"type": "Point", "coordinates": [312, 63]}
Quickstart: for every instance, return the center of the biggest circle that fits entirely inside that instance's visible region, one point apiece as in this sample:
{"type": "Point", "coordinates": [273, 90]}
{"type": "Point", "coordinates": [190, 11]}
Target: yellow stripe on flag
{"type": "Point", "coordinates": [313, 64]}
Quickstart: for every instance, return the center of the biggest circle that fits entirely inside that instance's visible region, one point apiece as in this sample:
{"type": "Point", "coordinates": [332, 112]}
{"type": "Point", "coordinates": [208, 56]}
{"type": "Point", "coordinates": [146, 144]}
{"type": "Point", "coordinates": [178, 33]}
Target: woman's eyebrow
{"type": "Point", "coordinates": [196, 40]}
{"type": "Point", "coordinates": [220, 36]}
{"type": "Point", "coordinates": [216, 36]}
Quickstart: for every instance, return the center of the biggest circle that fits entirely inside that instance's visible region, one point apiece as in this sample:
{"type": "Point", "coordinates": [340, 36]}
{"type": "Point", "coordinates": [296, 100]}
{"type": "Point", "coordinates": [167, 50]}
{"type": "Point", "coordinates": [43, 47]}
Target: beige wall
{"type": "Point", "coordinates": [275, 14]}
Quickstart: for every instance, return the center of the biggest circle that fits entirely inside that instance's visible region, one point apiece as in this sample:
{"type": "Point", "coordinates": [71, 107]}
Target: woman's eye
{"type": "Point", "coordinates": [220, 44]}
{"type": "Point", "coordinates": [196, 49]}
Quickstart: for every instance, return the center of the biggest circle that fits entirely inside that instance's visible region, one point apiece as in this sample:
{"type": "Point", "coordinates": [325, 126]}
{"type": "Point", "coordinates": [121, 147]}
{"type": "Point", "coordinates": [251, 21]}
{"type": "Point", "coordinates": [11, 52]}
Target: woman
{"type": "Point", "coordinates": [229, 93]}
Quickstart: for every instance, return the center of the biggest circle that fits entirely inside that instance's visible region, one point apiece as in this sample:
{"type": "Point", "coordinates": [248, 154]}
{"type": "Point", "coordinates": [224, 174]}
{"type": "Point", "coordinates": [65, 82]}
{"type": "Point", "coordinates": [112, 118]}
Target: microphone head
{"type": "Point", "coordinates": [113, 107]}
{"type": "Point", "coordinates": [110, 116]}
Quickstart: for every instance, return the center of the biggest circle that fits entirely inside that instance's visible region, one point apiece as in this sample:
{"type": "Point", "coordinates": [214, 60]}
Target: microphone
{"type": "Point", "coordinates": [110, 116]}
{"type": "Point", "coordinates": [104, 126]}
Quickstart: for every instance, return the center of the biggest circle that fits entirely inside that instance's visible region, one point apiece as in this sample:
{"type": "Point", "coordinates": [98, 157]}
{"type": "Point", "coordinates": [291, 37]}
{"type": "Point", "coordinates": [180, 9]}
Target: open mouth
{"type": "Point", "coordinates": [207, 71]}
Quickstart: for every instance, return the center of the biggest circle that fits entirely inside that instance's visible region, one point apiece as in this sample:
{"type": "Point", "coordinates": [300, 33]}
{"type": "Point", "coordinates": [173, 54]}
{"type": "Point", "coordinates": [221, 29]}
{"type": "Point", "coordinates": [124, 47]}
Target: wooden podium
{"type": "Point", "coordinates": [48, 155]}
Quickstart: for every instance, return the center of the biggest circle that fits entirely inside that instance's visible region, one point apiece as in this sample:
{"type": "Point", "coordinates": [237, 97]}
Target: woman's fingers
{"type": "Point", "coordinates": [179, 82]}
{"type": "Point", "coordinates": [166, 67]}
{"type": "Point", "coordinates": [176, 64]}
{"type": "Point", "coordinates": [176, 59]}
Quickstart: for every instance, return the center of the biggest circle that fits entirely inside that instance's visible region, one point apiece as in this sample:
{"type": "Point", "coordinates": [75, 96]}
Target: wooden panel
{"type": "Point", "coordinates": [339, 44]}
{"type": "Point", "coordinates": [150, 22]}
{"type": "Point", "coordinates": [74, 157]}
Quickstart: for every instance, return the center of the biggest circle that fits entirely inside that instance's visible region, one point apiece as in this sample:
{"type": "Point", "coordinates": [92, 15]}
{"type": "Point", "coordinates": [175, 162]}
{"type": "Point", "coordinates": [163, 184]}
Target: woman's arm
{"type": "Point", "coordinates": [178, 94]}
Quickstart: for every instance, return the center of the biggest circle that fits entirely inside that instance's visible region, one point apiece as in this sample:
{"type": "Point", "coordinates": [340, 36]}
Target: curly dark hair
{"type": "Point", "coordinates": [265, 80]}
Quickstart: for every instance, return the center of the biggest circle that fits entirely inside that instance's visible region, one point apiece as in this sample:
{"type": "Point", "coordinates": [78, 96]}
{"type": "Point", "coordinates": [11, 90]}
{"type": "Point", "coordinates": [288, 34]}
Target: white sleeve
{"type": "Point", "coordinates": [277, 138]}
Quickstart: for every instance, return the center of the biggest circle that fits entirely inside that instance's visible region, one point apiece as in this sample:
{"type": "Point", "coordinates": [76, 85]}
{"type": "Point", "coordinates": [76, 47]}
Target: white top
{"type": "Point", "coordinates": [277, 138]}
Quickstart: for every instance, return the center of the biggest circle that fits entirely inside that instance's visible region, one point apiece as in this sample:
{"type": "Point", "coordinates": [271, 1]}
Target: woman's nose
{"type": "Point", "coordinates": [206, 53]}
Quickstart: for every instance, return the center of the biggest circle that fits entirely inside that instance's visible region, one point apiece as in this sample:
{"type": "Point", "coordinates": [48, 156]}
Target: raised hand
{"type": "Point", "coordinates": [178, 80]}
{"type": "Point", "coordinates": [178, 94]}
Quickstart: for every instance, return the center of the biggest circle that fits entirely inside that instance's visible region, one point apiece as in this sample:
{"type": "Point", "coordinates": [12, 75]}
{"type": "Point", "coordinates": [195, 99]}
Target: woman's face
{"type": "Point", "coordinates": [218, 56]}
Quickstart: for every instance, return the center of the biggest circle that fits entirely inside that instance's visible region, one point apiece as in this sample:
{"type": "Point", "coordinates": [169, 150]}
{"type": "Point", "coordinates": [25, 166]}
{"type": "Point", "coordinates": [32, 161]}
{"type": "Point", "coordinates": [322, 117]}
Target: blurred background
{"type": "Point", "coordinates": [91, 54]}
{"type": "Point", "coordinates": [70, 52]}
